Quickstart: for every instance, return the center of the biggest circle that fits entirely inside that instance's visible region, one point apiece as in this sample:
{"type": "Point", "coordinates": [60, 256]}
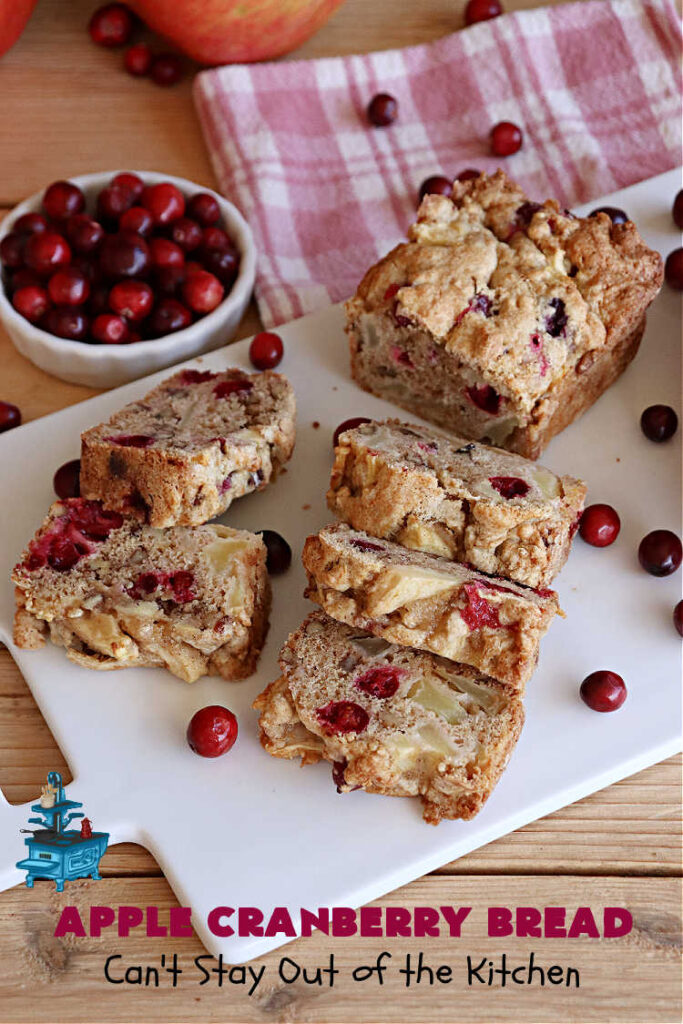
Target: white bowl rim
{"type": "Point", "coordinates": [237, 227]}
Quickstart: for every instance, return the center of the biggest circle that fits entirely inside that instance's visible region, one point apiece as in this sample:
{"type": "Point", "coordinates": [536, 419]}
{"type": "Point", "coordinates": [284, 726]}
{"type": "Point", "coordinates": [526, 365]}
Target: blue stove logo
{"type": "Point", "coordinates": [56, 852]}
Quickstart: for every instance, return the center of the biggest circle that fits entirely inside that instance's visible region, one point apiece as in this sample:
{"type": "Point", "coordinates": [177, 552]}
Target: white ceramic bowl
{"type": "Point", "coordinates": [107, 366]}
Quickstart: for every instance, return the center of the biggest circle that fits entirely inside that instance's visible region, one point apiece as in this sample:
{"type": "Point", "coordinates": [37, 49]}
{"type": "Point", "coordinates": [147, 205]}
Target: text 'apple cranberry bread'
{"type": "Point", "coordinates": [502, 319]}
{"type": "Point", "coordinates": [183, 453]}
{"type": "Point", "coordinates": [116, 593]}
{"type": "Point", "coordinates": [391, 720]}
{"type": "Point", "coordinates": [466, 501]}
{"type": "Point", "coordinates": [425, 601]}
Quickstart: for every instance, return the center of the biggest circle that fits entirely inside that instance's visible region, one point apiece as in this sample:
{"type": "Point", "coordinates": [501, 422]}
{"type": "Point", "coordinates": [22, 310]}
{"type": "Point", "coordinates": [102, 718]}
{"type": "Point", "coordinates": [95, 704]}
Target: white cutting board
{"type": "Point", "coordinates": [250, 830]}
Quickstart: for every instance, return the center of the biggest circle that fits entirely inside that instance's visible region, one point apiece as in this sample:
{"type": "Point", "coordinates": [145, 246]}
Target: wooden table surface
{"type": "Point", "coordinates": [68, 108]}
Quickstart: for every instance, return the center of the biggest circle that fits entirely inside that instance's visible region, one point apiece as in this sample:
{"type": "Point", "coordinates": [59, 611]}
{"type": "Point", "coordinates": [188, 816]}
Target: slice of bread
{"type": "Point", "coordinates": [183, 453]}
{"type": "Point", "coordinates": [428, 602]}
{"type": "Point", "coordinates": [390, 719]}
{"type": "Point", "coordinates": [116, 593]}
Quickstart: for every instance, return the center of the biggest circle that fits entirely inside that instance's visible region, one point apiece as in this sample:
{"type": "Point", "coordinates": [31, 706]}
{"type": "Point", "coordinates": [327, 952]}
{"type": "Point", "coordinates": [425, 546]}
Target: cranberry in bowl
{"type": "Point", "coordinates": [128, 256]}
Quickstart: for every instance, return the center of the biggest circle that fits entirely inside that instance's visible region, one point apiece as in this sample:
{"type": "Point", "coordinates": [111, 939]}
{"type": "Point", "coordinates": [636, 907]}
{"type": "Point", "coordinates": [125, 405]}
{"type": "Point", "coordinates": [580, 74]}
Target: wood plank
{"type": "Point", "coordinates": [634, 978]}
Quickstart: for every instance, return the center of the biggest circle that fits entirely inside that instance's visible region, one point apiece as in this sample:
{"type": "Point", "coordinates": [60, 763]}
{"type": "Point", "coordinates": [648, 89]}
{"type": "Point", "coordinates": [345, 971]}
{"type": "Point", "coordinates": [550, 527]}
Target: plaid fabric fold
{"type": "Point", "coordinates": [594, 85]}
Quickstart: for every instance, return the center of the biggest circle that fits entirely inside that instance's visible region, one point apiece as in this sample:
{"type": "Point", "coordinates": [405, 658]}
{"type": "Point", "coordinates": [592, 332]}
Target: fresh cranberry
{"type": "Point", "coordinates": [83, 262]}
{"type": "Point", "coordinates": [164, 201]}
{"type": "Point", "coordinates": [266, 350]}
{"type": "Point", "coordinates": [437, 185]}
{"type": "Point", "coordinates": [164, 253]}
{"type": "Point", "coordinates": [204, 208]}
{"type": "Point", "coordinates": [342, 716]}
{"type": "Point", "coordinates": [212, 731]}
{"type": "Point", "coordinates": [132, 182]}
{"type": "Point", "coordinates": [225, 388]}
{"type": "Point", "coordinates": [84, 233]}
{"type": "Point", "coordinates": [168, 280]}
{"type": "Point", "coordinates": [223, 264]}
{"type": "Point", "coordinates": [506, 138]}
{"type": "Point", "coordinates": [660, 553]}
{"type": "Point", "coordinates": [196, 376]}
{"type": "Point", "coordinates": [12, 250]}
{"type": "Point", "coordinates": [111, 25]}
{"type": "Point", "coordinates": [365, 545]}
{"type": "Point", "coordinates": [166, 69]}
{"type": "Point", "coordinates": [109, 329]}
{"type": "Point", "coordinates": [169, 316]}
{"type": "Point", "coordinates": [46, 252]}
{"type": "Point", "coordinates": [382, 110]}
{"type": "Point", "coordinates": [678, 617]}
{"type": "Point", "coordinates": [673, 269]}
{"type": "Point", "coordinates": [24, 278]}
{"type": "Point", "coordinates": [482, 10]}
{"type": "Point", "coordinates": [599, 525]}
{"type": "Point", "coordinates": [278, 552]}
{"type": "Point", "coordinates": [132, 299]}
{"type": "Point", "coordinates": [131, 440]}
{"type": "Point", "coordinates": [381, 681]}
{"type": "Point", "coordinates": [66, 322]}
{"type": "Point", "coordinates": [138, 60]}
{"type": "Point", "coordinates": [67, 480]}
{"type": "Point", "coordinates": [124, 255]}
{"type": "Point", "coordinates": [30, 224]}
{"type": "Point", "coordinates": [603, 691]}
{"type": "Point", "coordinates": [99, 299]}
{"type": "Point", "coordinates": [659, 422]}
{"type": "Point", "coordinates": [485, 398]}
{"type": "Point", "coordinates": [676, 210]}
{"type": "Point", "coordinates": [63, 198]}
{"type": "Point", "coordinates": [186, 233]}
{"type": "Point", "coordinates": [468, 174]}
{"type": "Point", "coordinates": [202, 291]}
{"type": "Point", "coordinates": [616, 215]}
{"type": "Point", "coordinates": [509, 486]}
{"type": "Point", "coordinates": [215, 238]}
{"type": "Point", "coordinates": [68, 287]}
{"type": "Point", "coordinates": [478, 612]}
{"type": "Point", "coordinates": [350, 424]}
{"type": "Point", "coordinates": [138, 220]}
{"type": "Point", "coordinates": [32, 302]}
{"type": "Point", "coordinates": [10, 416]}
{"type": "Point", "coordinates": [112, 202]}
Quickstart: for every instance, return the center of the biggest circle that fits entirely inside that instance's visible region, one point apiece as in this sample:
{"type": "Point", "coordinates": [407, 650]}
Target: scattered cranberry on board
{"type": "Point", "coordinates": [266, 350]}
{"type": "Point", "coordinates": [673, 269]}
{"type": "Point", "coordinates": [10, 416]}
{"type": "Point", "coordinates": [138, 60]}
{"type": "Point", "coordinates": [67, 480]}
{"type": "Point", "coordinates": [279, 553]}
{"type": "Point", "coordinates": [166, 69]}
{"type": "Point", "coordinates": [505, 138]}
{"type": "Point", "coordinates": [349, 424]}
{"type": "Point", "coordinates": [437, 185]}
{"type": "Point", "coordinates": [676, 211]}
{"type": "Point", "coordinates": [659, 423]}
{"type": "Point", "coordinates": [600, 525]}
{"type": "Point", "coordinates": [616, 215]}
{"type": "Point", "coordinates": [660, 553]}
{"type": "Point", "coordinates": [678, 617]}
{"type": "Point", "coordinates": [603, 691]}
{"type": "Point", "coordinates": [382, 110]}
{"type": "Point", "coordinates": [212, 731]}
{"type": "Point", "coordinates": [482, 10]}
{"type": "Point", "coordinates": [111, 25]}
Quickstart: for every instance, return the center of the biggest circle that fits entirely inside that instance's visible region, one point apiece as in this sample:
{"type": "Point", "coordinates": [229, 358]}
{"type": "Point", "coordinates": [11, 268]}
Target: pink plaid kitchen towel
{"type": "Point", "coordinates": [593, 84]}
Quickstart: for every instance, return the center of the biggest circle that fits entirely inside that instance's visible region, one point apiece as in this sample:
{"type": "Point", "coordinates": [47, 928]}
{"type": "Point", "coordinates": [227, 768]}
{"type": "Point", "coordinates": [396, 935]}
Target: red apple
{"type": "Point", "coordinates": [13, 17]}
{"type": "Point", "coordinates": [232, 31]}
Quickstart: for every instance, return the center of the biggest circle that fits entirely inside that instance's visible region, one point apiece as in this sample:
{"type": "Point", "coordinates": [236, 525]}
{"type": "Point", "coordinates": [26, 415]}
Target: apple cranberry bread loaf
{"type": "Point", "coordinates": [390, 719]}
{"type": "Point", "coordinates": [191, 446]}
{"type": "Point", "coordinates": [494, 510]}
{"type": "Point", "coordinates": [425, 601]}
{"type": "Point", "coordinates": [502, 319]}
{"type": "Point", "coordinates": [116, 593]}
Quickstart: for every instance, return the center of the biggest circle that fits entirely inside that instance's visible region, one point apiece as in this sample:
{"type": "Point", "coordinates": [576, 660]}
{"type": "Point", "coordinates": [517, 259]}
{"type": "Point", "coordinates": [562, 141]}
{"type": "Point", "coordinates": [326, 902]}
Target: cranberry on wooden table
{"type": "Point", "coordinates": [437, 185]}
{"type": "Point", "coordinates": [109, 329]}
{"type": "Point", "coordinates": [600, 525]}
{"type": "Point", "coordinates": [67, 480]}
{"type": "Point", "coordinates": [279, 553]}
{"type": "Point", "coordinates": [660, 553]}
{"type": "Point", "coordinates": [603, 691]}
{"type": "Point", "coordinates": [266, 350]}
{"type": "Point", "coordinates": [350, 424]}
{"type": "Point", "coordinates": [138, 60]}
{"type": "Point", "coordinates": [659, 422]}
{"type": "Point", "coordinates": [482, 10]}
{"type": "Point", "coordinates": [673, 269]}
{"type": "Point", "coordinates": [166, 69]}
{"type": "Point", "coordinates": [212, 731]}
{"type": "Point", "coordinates": [111, 25]}
{"type": "Point", "coordinates": [505, 138]}
{"type": "Point", "coordinates": [10, 416]}
{"type": "Point", "coordinates": [382, 110]}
